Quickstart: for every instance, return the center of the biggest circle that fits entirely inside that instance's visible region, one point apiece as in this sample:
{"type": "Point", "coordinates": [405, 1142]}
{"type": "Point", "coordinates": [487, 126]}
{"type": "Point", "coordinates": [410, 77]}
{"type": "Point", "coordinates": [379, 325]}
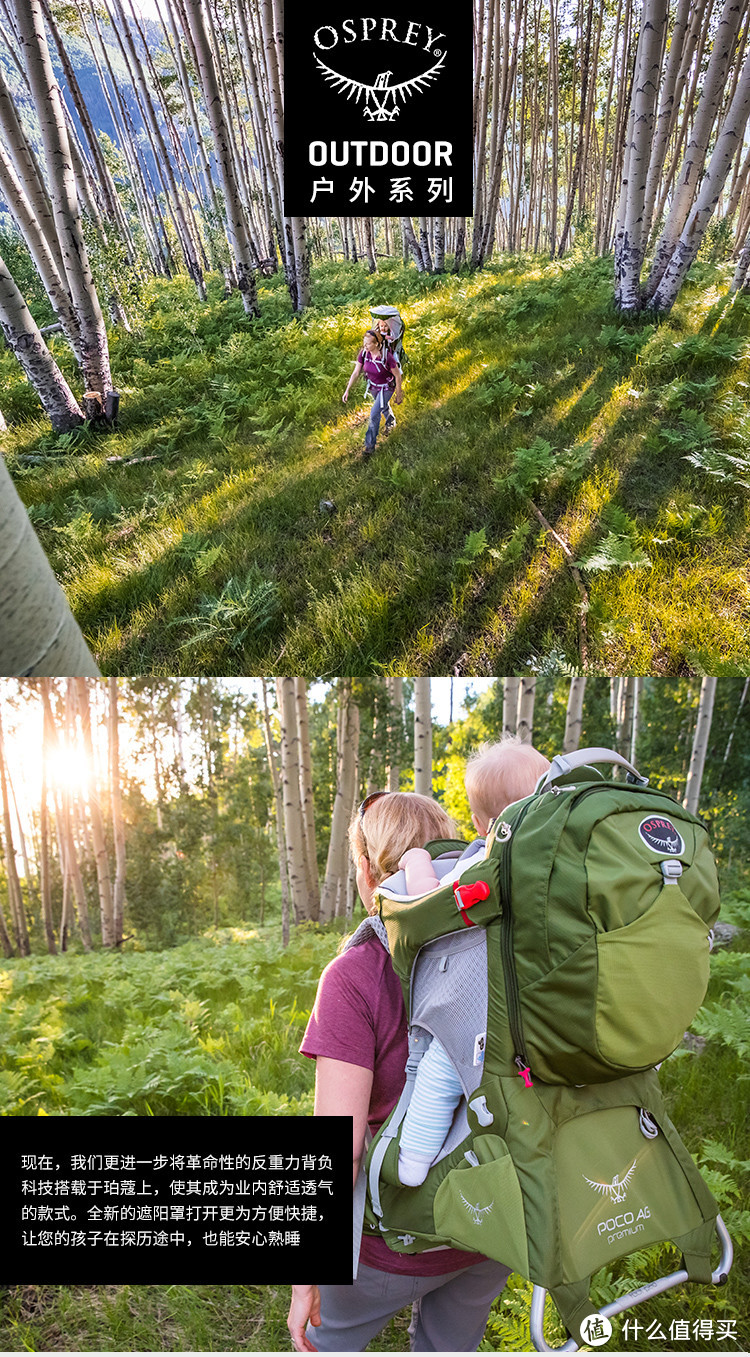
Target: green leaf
{"type": "Point", "coordinates": [615, 553]}
{"type": "Point", "coordinates": [474, 547]}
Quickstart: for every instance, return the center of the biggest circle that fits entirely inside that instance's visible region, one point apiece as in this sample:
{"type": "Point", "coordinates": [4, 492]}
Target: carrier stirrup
{"type": "Point", "coordinates": [647, 1292]}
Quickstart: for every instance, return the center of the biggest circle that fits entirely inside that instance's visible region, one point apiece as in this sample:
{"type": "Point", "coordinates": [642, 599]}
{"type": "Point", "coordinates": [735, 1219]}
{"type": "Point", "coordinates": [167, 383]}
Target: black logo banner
{"type": "Point", "coordinates": [378, 110]}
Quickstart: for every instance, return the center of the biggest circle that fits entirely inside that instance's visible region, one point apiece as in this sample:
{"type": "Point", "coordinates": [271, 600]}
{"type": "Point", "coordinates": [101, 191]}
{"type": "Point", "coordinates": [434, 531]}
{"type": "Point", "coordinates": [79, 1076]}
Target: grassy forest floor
{"type": "Point", "coordinates": [193, 540]}
{"type": "Point", "coordinates": [212, 1028]}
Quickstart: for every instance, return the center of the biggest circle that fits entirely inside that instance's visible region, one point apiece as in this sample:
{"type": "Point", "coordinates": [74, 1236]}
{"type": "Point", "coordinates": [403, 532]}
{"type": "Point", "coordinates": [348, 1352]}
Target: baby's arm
{"type": "Point", "coordinates": [437, 1092]}
{"type": "Point", "coordinates": [420, 874]}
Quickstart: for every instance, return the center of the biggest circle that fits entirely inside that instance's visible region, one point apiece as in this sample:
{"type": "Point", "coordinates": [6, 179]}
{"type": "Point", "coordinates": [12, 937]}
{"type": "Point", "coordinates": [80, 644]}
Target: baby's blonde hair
{"type": "Point", "coordinates": [499, 774]}
{"type": "Point", "coordinates": [393, 823]}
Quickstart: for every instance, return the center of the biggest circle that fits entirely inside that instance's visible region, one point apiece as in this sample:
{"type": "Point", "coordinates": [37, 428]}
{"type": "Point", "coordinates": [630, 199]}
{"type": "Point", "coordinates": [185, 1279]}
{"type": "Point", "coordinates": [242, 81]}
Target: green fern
{"type": "Point", "coordinates": [615, 553]}
{"type": "Point", "coordinates": [243, 608]}
{"type": "Point", "coordinates": [532, 467]}
{"type": "Point", "coordinates": [723, 466]}
{"type": "Point", "coordinates": [696, 523]}
{"type": "Point", "coordinates": [728, 1023]}
{"type": "Point", "coordinates": [474, 547]}
{"type": "Point", "coordinates": [399, 476]}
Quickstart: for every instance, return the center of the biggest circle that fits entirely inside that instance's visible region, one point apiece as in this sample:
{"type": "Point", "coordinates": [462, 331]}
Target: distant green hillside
{"type": "Point", "coordinates": [197, 538]}
{"type": "Point", "coordinates": [83, 64]}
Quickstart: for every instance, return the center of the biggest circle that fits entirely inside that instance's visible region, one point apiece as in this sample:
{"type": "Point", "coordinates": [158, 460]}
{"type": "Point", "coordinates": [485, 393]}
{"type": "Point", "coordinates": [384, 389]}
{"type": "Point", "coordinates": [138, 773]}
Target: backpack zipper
{"type": "Point", "coordinates": [520, 1057]}
{"type": "Point", "coordinates": [506, 951]}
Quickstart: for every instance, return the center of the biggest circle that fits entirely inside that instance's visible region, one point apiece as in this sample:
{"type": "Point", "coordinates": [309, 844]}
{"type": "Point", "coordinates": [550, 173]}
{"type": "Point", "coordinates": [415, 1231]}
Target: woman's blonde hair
{"type": "Point", "coordinates": [393, 823]}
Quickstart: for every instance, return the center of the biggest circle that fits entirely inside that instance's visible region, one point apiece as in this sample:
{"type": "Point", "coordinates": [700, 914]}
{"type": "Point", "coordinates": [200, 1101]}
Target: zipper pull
{"type": "Point", "coordinates": [525, 1072]}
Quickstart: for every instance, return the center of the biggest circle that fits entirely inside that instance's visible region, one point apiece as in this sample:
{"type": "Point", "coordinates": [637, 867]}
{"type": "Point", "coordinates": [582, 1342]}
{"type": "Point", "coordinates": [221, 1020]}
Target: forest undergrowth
{"type": "Point", "coordinates": [211, 1028]}
{"type": "Point", "coordinates": [231, 525]}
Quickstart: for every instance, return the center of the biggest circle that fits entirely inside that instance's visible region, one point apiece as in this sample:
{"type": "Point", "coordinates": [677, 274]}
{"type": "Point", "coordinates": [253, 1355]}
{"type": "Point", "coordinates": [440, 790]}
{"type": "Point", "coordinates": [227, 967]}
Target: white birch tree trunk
{"type": "Point", "coordinates": [691, 799]}
{"type": "Point", "coordinates": [526, 696]}
{"type": "Point", "coordinates": [347, 742]}
{"type": "Point", "coordinates": [422, 737]}
{"type": "Point", "coordinates": [574, 715]}
{"type": "Point", "coordinates": [279, 809]}
{"type": "Point", "coordinates": [615, 685]}
{"type": "Point", "coordinates": [637, 694]}
{"type": "Point", "coordinates": [38, 633]}
{"type": "Point", "coordinates": [665, 117]}
{"type": "Point", "coordinates": [709, 105]}
{"type": "Point", "coordinates": [412, 244]}
{"type": "Point", "coordinates": [395, 691]}
{"type": "Point", "coordinates": [96, 821]}
{"type": "Point", "coordinates": [58, 157]}
{"type": "Point", "coordinates": [15, 899]}
{"type": "Point", "coordinates": [72, 875]}
{"type": "Point", "coordinates": [739, 278]}
{"type": "Point", "coordinates": [44, 850]}
{"type": "Point", "coordinates": [345, 900]}
{"type": "Point", "coordinates": [26, 220]}
{"type": "Point", "coordinates": [440, 244]}
{"type": "Point", "coordinates": [28, 171]}
{"type": "Point", "coordinates": [23, 337]}
{"type": "Point", "coordinates": [221, 133]}
{"type": "Point", "coordinates": [627, 708]}
{"type": "Point", "coordinates": [118, 826]}
{"type": "Point", "coordinates": [293, 816]}
{"type": "Point", "coordinates": [727, 143]}
{"type": "Point", "coordinates": [510, 705]}
{"type": "Point", "coordinates": [629, 245]}
{"type": "Point", "coordinates": [306, 797]}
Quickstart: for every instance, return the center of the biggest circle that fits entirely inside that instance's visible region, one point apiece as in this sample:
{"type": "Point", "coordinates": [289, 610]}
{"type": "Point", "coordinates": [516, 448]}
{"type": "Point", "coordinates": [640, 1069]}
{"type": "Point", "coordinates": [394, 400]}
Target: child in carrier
{"type": "Point", "coordinates": [390, 326]}
{"type": "Point", "coordinates": [496, 776]}
{"type": "Point", "coordinates": [383, 374]}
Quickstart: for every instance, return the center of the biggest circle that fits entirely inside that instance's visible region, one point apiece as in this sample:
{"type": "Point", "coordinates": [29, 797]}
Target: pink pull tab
{"type": "Point", "coordinates": [525, 1074]}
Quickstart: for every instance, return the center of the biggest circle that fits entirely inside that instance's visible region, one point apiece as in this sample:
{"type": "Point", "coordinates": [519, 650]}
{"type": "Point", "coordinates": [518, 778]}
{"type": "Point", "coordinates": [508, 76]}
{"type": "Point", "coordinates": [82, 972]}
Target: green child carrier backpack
{"type": "Point", "coordinates": [558, 963]}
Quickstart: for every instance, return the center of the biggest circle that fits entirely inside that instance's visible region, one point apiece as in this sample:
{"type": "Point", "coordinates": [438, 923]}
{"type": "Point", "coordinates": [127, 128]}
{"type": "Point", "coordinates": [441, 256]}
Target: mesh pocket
{"type": "Point", "coordinates": [449, 998]}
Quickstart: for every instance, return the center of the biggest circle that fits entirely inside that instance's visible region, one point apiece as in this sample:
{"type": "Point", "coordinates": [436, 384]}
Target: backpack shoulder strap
{"type": "Point", "coordinates": [368, 927]}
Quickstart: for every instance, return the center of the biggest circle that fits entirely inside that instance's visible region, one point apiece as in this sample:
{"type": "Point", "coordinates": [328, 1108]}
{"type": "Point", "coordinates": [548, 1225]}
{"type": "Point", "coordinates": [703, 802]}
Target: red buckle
{"type": "Point", "coordinates": [466, 896]}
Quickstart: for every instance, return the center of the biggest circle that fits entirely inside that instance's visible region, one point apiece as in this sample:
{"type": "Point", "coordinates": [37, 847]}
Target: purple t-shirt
{"type": "Point", "coordinates": [378, 371]}
{"type": "Point", "coordinates": [359, 1017]}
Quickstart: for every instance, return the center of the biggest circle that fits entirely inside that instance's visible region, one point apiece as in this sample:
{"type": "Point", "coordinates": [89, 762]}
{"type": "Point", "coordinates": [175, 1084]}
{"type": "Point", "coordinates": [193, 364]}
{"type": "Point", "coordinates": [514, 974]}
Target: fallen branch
{"type": "Point", "coordinates": [581, 587]}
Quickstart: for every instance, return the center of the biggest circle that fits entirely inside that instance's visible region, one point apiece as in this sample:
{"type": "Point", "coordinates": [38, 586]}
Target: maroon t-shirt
{"type": "Point", "coordinates": [378, 371]}
{"type": "Point", "coordinates": [359, 1017]}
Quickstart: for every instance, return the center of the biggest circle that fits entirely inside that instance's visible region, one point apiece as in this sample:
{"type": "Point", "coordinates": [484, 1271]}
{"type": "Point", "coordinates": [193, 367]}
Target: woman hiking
{"type": "Point", "coordinates": [383, 374]}
{"type": "Point", "coordinates": [357, 1035]}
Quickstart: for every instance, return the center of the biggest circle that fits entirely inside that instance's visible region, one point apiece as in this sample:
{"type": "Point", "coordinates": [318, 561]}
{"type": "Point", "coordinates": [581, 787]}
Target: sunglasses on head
{"type": "Point", "coordinates": [368, 801]}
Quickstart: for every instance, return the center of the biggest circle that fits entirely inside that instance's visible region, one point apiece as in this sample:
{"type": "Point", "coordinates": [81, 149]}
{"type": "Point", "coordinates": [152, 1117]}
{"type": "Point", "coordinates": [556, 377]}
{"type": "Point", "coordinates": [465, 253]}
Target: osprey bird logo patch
{"type": "Point", "coordinates": [617, 1189]}
{"type": "Point", "coordinates": [660, 835]}
{"type": "Point", "coordinates": [477, 1212]}
{"type": "Point", "coordinates": [381, 99]}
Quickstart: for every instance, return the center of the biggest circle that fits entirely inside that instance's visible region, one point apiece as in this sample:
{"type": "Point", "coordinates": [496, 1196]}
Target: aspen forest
{"type": "Point", "coordinates": [174, 877]}
{"type": "Point", "coordinates": [182, 489]}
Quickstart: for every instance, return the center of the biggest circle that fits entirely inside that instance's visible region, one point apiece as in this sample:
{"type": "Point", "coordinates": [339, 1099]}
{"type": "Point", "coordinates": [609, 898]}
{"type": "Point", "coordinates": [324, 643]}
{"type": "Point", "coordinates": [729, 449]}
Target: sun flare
{"type": "Point", "coordinates": [68, 767]}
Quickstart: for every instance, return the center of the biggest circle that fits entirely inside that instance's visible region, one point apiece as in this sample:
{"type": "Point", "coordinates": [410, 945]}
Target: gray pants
{"type": "Point", "coordinates": [449, 1312]}
{"type": "Point", "coordinates": [380, 407]}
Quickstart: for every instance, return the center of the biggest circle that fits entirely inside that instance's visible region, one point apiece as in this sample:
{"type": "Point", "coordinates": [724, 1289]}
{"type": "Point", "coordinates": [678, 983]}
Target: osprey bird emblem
{"type": "Point", "coordinates": [477, 1213]}
{"type": "Point", "coordinates": [617, 1189]}
{"type": "Point", "coordinates": [381, 100]}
